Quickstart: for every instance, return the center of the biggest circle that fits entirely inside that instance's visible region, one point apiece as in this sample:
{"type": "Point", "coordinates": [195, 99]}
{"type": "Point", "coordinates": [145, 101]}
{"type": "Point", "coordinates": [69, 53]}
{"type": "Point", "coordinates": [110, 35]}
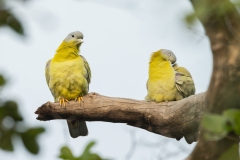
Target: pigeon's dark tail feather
{"type": "Point", "coordinates": [77, 128]}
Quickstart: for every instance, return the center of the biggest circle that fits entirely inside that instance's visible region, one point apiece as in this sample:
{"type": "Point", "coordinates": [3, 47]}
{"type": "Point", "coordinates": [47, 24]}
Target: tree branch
{"type": "Point", "coordinates": [171, 119]}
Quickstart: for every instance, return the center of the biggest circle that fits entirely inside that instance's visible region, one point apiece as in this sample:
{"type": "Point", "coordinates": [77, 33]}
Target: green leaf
{"type": "Point", "coordinates": [233, 116]}
{"type": "Point", "coordinates": [215, 123]}
{"type": "Point", "coordinates": [66, 153]}
{"type": "Point", "coordinates": [88, 147]}
{"type": "Point", "coordinates": [190, 18]}
{"type": "Point", "coordinates": [8, 19]}
{"type": "Point", "coordinates": [10, 108]}
{"type": "Point", "coordinates": [2, 80]}
{"type": "Point", "coordinates": [29, 139]}
{"type": "Point", "coordinates": [87, 155]}
{"type": "Point", "coordinates": [6, 140]}
{"type": "Point", "coordinates": [231, 153]}
{"type": "Point", "coordinates": [216, 126]}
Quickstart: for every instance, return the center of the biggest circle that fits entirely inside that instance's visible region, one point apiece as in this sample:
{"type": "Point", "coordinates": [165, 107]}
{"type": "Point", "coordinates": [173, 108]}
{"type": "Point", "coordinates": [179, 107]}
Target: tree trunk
{"type": "Point", "coordinates": [222, 28]}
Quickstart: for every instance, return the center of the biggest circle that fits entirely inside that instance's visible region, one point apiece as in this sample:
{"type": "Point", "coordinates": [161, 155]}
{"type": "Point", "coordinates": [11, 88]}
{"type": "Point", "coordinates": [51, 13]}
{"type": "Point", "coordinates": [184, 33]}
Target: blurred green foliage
{"type": "Point", "coordinates": [218, 126]}
{"type": "Point", "coordinates": [10, 122]}
{"type": "Point", "coordinates": [204, 9]}
{"type": "Point", "coordinates": [10, 118]}
{"type": "Point", "coordinates": [8, 18]}
{"type": "Point", "coordinates": [230, 153]}
{"type": "Point", "coordinates": [66, 154]}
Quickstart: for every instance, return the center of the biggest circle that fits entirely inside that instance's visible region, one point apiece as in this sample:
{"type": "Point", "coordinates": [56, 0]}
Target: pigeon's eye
{"type": "Point", "coordinates": [72, 35]}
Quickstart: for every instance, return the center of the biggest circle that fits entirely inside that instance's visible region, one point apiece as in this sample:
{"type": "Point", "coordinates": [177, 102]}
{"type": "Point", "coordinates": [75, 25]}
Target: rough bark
{"type": "Point", "coordinates": [171, 119]}
{"type": "Point", "coordinates": [224, 89]}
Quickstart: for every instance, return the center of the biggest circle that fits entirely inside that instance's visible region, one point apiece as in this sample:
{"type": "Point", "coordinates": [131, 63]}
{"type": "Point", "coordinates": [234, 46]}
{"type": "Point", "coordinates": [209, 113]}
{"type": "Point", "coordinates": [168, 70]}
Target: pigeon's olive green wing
{"type": "Point", "coordinates": [47, 71]}
{"type": "Point", "coordinates": [184, 83]}
{"type": "Point", "coordinates": [87, 67]}
{"type": "Point", "coordinates": [182, 70]}
{"type": "Point", "coordinates": [47, 76]}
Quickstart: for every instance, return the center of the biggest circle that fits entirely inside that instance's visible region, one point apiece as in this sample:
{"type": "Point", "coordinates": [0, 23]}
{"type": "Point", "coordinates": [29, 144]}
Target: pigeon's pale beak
{"type": "Point", "coordinates": [80, 41]}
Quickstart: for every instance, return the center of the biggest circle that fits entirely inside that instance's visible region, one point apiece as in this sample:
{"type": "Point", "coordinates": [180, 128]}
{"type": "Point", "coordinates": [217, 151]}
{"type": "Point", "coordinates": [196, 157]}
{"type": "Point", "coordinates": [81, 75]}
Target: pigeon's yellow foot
{"type": "Point", "coordinates": [79, 99]}
{"type": "Point", "coordinates": [62, 101]}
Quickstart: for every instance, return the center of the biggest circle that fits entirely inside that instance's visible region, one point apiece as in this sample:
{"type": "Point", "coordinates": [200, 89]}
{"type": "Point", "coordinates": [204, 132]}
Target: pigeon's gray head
{"type": "Point", "coordinates": [168, 55]}
{"type": "Point", "coordinates": [75, 37]}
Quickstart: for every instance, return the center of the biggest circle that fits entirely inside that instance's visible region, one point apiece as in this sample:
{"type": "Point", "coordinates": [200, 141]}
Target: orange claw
{"type": "Point", "coordinates": [62, 101]}
{"type": "Point", "coordinates": [79, 99]}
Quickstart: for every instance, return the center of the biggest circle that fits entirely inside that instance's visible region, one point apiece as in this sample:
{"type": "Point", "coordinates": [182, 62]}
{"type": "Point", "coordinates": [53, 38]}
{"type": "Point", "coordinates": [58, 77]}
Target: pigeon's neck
{"type": "Point", "coordinates": [160, 69]}
{"type": "Point", "coordinates": [66, 51]}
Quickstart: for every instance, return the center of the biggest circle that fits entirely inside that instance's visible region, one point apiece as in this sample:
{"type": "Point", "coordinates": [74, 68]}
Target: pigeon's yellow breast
{"type": "Point", "coordinates": [67, 79]}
